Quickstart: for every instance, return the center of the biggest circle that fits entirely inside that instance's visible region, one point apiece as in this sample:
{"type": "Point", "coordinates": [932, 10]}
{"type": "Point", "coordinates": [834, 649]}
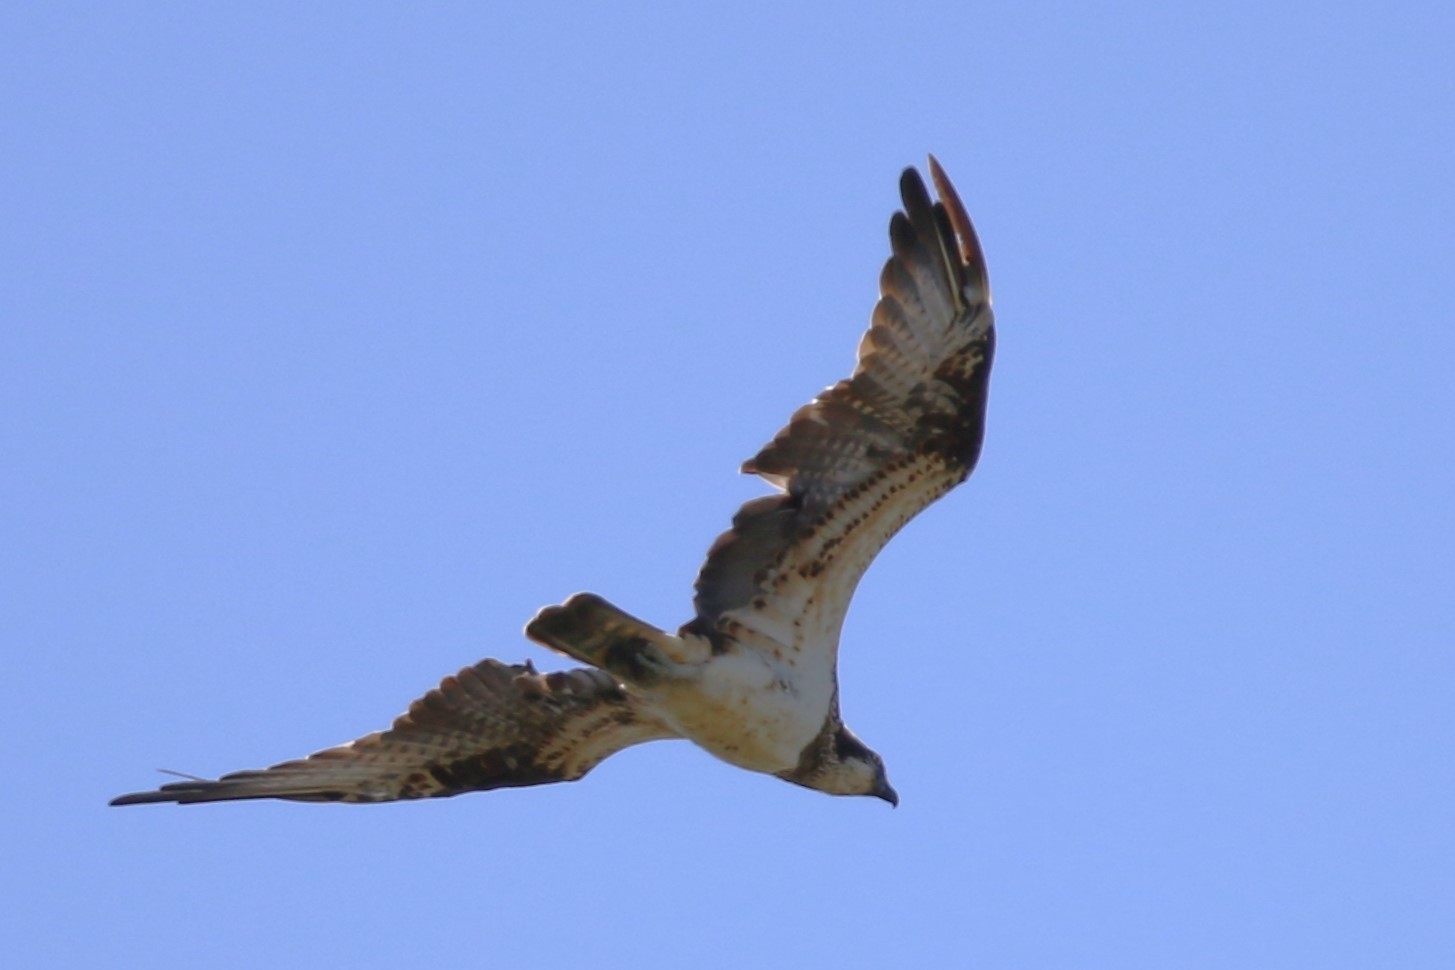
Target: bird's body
{"type": "Point", "coordinates": [752, 678]}
{"type": "Point", "coordinates": [746, 709]}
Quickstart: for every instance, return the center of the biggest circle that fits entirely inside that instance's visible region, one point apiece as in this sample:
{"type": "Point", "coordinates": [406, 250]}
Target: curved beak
{"type": "Point", "coordinates": [886, 792]}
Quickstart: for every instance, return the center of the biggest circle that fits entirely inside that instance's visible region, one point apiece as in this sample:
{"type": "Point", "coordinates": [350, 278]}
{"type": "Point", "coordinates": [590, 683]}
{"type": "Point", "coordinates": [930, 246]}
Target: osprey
{"type": "Point", "coordinates": [752, 678]}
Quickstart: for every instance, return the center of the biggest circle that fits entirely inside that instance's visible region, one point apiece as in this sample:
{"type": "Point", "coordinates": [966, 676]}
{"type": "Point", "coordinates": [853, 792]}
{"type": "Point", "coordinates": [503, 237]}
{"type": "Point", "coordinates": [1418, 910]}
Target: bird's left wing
{"type": "Point", "coordinates": [493, 725]}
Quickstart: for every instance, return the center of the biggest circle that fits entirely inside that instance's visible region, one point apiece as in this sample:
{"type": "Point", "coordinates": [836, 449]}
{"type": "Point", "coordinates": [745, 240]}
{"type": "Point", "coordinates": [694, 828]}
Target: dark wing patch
{"type": "Point", "coordinates": [909, 421]}
{"type": "Point", "coordinates": [492, 725]}
{"type": "Point", "coordinates": [761, 529]}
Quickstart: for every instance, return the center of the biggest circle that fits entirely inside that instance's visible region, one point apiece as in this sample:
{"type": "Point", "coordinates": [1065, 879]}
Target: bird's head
{"type": "Point", "coordinates": [846, 766]}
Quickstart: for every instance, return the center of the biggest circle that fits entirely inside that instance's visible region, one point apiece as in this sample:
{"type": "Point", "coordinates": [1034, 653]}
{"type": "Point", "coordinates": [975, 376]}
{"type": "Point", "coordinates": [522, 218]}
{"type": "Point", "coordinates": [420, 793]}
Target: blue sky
{"type": "Point", "coordinates": [337, 340]}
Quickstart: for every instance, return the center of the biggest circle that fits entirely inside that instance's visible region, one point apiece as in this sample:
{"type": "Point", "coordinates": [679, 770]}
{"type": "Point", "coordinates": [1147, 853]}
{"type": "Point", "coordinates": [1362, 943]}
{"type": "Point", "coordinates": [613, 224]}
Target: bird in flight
{"type": "Point", "coordinates": [752, 678]}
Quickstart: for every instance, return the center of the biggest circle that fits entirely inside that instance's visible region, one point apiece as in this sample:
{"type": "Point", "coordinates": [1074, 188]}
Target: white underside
{"type": "Point", "coordinates": [747, 709]}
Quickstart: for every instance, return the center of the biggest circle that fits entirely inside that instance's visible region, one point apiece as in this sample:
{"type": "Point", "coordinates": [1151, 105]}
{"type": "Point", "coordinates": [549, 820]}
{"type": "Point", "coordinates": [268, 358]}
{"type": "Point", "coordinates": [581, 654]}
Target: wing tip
{"type": "Point", "coordinates": [176, 791]}
{"type": "Point", "coordinates": [183, 793]}
{"type": "Point", "coordinates": [141, 798]}
{"type": "Point", "coordinates": [972, 255]}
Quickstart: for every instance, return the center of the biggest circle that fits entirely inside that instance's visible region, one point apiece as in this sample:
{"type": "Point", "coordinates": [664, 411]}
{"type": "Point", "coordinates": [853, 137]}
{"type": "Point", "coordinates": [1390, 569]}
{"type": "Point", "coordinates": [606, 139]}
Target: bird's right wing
{"type": "Point", "coordinates": [492, 725]}
{"type": "Point", "coordinates": [869, 453]}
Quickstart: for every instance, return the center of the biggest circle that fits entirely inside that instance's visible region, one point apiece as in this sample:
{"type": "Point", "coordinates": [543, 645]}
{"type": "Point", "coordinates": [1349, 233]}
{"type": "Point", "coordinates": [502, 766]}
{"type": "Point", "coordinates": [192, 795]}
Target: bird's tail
{"type": "Point", "coordinates": [589, 629]}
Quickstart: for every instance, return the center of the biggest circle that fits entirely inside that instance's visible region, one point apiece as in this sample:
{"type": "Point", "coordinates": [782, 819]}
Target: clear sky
{"type": "Point", "coordinates": [336, 339]}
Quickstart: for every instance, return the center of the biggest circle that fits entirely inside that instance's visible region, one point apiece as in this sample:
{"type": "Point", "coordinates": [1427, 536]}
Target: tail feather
{"type": "Point", "coordinates": [590, 629]}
